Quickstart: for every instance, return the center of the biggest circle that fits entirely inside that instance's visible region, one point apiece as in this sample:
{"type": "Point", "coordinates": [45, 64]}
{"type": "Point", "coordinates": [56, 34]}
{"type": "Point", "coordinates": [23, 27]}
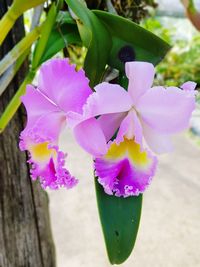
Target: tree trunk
{"type": "Point", "coordinates": [25, 233]}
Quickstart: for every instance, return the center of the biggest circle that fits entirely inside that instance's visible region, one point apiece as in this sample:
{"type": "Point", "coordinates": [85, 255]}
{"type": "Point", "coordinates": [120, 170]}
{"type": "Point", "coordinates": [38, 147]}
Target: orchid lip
{"type": "Point", "coordinates": [125, 170]}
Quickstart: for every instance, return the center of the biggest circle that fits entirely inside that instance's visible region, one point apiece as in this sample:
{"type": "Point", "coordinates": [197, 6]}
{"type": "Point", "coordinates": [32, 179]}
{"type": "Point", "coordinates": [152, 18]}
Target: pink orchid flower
{"type": "Point", "coordinates": [60, 89]}
{"type": "Point", "coordinates": [141, 114]}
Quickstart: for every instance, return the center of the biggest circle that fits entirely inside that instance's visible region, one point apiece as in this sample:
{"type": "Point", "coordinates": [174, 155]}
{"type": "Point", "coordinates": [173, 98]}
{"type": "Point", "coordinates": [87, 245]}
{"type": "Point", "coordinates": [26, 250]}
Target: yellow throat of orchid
{"type": "Point", "coordinates": [130, 149]}
{"type": "Point", "coordinates": [41, 152]}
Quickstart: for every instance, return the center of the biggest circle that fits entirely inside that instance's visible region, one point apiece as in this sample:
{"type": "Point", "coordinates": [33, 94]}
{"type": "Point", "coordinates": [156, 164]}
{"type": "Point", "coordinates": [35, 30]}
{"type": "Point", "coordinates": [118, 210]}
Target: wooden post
{"type": "Point", "coordinates": [25, 232]}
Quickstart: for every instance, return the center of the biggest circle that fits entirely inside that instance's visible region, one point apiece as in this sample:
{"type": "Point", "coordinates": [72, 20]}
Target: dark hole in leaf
{"type": "Point", "coordinates": [126, 53]}
{"type": "Point", "coordinates": [117, 233]}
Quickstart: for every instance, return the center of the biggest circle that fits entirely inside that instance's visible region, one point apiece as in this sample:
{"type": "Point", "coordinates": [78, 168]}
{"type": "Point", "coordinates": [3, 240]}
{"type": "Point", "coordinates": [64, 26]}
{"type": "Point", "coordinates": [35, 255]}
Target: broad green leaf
{"type": "Point", "coordinates": [95, 37]}
{"type": "Point", "coordinates": [131, 42]}
{"type": "Point", "coordinates": [60, 37]}
{"type": "Point", "coordinates": [64, 18]}
{"type": "Point", "coordinates": [120, 219]}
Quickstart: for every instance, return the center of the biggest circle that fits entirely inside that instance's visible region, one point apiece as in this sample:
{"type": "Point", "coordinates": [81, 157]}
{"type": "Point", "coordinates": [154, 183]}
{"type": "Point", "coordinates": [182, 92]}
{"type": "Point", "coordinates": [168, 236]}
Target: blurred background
{"type": "Point", "coordinates": [169, 234]}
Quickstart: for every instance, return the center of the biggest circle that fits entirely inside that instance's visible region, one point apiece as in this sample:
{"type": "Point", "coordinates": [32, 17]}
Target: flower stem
{"type": "Point", "coordinates": [9, 74]}
{"type": "Point", "coordinates": [15, 102]}
{"type": "Point", "coordinates": [6, 24]}
{"type": "Point", "coordinates": [19, 49]}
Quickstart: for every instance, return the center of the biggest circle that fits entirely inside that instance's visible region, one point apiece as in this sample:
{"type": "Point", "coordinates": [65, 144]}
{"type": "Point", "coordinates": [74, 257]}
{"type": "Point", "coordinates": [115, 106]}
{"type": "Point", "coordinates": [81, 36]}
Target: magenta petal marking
{"type": "Point", "coordinates": [54, 175]}
{"type": "Point", "coordinates": [125, 170]}
{"type": "Point", "coordinates": [47, 161]}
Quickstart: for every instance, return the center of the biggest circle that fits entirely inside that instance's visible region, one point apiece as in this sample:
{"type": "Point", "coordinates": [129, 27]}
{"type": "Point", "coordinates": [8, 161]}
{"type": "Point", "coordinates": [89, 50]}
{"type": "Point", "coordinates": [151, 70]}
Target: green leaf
{"type": "Point", "coordinates": [64, 18]}
{"type": "Point", "coordinates": [120, 219]}
{"type": "Point", "coordinates": [15, 102]}
{"type": "Point", "coordinates": [130, 40]}
{"type": "Point", "coordinates": [95, 37]}
{"type": "Point", "coordinates": [60, 37]}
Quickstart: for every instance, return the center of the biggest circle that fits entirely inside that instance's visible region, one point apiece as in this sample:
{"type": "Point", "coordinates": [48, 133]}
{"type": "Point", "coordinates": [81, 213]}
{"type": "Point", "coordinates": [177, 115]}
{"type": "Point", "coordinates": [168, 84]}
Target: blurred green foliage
{"type": "Point", "coordinates": [153, 25]}
{"type": "Point", "coordinates": [182, 63]}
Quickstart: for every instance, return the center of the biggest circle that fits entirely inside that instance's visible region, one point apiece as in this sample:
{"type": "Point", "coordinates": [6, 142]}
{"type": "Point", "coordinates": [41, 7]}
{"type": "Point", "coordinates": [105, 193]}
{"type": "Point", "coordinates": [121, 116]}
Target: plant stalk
{"type": "Point", "coordinates": [15, 102]}
{"type": "Point", "coordinates": [19, 49]}
{"type": "Point", "coordinates": [6, 23]}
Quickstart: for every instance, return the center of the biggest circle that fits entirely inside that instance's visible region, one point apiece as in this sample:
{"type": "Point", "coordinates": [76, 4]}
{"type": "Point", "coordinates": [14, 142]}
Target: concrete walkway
{"type": "Point", "coordinates": [169, 234]}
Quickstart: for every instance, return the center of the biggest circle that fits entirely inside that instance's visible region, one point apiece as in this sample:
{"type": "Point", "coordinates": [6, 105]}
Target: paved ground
{"type": "Point", "coordinates": [169, 234]}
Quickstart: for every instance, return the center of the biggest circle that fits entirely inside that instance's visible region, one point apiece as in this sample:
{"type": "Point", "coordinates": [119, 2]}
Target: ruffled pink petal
{"type": "Point", "coordinates": [125, 170]}
{"type": "Point", "coordinates": [48, 127]}
{"type": "Point", "coordinates": [47, 162]}
{"type": "Point", "coordinates": [53, 175]}
{"type": "Point", "coordinates": [90, 137]}
{"type": "Point", "coordinates": [167, 111]}
{"type": "Point", "coordinates": [130, 128]}
{"type": "Point", "coordinates": [140, 75]}
{"type": "Point", "coordinates": [37, 105]}
{"type": "Point", "coordinates": [65, 86]}
{"type": "Point", "coordinates": [108, 98]}
{"type": "Point", "coordinates": [109, 123]}
{"type": "Point", "coordinates": [158, 143]}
